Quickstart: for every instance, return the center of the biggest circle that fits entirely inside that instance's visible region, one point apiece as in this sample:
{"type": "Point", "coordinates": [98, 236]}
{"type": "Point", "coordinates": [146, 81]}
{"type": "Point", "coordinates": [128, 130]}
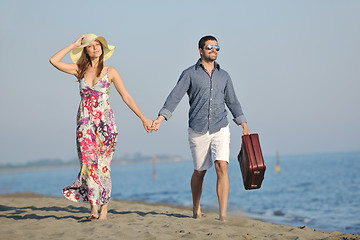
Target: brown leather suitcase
{"type": "Point", "coordinates": [251, 162]}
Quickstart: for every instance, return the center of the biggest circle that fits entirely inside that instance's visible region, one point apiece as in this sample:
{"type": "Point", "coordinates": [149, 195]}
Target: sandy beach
{"type": "Point", "coordinates": [34, 216]}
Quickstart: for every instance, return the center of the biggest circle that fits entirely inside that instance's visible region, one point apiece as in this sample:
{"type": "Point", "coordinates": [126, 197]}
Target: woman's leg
{"type": "Point", "coordinates": [103, 211]}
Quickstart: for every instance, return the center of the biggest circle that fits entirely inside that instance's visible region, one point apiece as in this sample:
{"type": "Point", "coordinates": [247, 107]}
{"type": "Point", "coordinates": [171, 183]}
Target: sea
{"type": "Point", "coordinates": [320, 191]}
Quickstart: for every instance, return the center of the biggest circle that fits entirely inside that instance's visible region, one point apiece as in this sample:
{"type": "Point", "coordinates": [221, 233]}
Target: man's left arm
{"type": "Point", "coordinates": [235, 107]}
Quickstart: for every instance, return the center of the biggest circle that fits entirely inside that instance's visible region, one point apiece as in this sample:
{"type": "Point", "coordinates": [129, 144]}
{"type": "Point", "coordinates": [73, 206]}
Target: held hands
{"type": "Point", "coordinates": [148, 125]}
{"type": "Point", "coordinates": [154, 125]}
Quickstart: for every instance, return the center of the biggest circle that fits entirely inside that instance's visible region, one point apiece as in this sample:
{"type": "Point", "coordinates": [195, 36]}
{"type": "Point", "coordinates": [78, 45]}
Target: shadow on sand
{"type": "Point", "coordinates": [20, 213]}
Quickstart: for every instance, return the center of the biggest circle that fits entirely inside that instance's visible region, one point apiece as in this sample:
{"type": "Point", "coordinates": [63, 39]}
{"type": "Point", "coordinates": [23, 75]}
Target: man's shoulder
{"type": "Point", "coordinates": [189, 71]}
{"type": "Point", "coordinates": [224, 73]}
{"type": "Point", "coordinates": [191, 68]}
{"type": "Point", "coordinates": [194, 66]}
{"type": "Point", "coordinates": [220, 69]}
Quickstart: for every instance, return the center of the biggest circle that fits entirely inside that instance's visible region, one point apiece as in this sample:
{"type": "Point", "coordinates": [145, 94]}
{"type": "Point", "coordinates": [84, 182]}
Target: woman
{"type": "Point", "coordinates": [96, 129]}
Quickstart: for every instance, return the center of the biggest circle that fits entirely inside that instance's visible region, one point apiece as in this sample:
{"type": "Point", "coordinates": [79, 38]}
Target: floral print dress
{"type": "Point", "coordinates": [96, 140]}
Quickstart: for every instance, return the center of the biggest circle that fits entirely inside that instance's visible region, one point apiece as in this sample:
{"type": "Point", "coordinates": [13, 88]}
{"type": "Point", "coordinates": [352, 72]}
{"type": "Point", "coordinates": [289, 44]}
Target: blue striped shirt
{"type": "Point", "coordinates": [207, 98]}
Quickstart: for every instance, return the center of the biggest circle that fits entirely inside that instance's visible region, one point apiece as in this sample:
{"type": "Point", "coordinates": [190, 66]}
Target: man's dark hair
{"type": "Point", "coordinates": [204, 39]}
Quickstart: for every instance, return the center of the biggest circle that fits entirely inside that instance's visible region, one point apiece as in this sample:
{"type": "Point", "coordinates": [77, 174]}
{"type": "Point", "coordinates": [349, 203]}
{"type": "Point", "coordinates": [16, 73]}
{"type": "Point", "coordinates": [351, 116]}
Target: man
{"type": "Point", "coordinates": [209, 88]}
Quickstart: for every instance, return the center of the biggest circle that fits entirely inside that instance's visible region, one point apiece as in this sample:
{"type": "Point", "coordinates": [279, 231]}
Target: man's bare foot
{"type": "Point", "coordinates": [223, 218]}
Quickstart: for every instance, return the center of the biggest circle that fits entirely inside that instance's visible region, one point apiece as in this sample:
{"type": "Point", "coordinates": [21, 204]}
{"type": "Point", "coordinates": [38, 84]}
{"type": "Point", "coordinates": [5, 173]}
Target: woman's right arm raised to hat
{"type": "Point", "coordinates": [70, 68]}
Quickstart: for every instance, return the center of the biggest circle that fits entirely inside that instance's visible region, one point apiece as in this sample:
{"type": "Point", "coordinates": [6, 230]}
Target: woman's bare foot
{"type": "Point", "coordinates": [103, 212]}
{"type": "Point", "coordinates": [92, 216]}
{"type": "Point", "coordinates": [94, 212]}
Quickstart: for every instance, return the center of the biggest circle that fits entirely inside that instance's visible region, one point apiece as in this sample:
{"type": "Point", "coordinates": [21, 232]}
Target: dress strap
{"type": "Point", "coordinates": [107, 74]}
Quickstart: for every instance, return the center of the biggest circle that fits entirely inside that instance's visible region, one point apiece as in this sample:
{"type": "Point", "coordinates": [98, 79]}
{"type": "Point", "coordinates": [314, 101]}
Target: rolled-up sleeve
{"type": "Point", "coordinates": [175, 96]}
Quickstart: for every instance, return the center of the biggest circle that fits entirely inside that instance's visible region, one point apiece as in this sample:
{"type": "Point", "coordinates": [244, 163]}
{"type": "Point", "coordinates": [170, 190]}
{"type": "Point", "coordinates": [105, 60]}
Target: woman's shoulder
{"type": "Point", "coordinates": [111, 71]}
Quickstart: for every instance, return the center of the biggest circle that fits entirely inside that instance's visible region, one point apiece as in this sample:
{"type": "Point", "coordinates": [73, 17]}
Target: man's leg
{"type": "Point", "coordinates": [222, 187]}
{"type": "Point", "coordinates": [197, 182]}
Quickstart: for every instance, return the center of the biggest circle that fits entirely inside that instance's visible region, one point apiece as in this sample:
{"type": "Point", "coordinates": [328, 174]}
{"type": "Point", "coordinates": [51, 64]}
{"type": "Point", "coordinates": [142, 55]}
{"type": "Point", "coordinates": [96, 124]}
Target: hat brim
{"type": "Point", "coordinates": [108, 50]}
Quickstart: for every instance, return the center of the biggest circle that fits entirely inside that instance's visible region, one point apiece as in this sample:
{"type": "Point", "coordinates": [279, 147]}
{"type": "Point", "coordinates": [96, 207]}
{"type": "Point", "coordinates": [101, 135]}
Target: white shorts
{"type": "Point", "coordinates": [205, 147]}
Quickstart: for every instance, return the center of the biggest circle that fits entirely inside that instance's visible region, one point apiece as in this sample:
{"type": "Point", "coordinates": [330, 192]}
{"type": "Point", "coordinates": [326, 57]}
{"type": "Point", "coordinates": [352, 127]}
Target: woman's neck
{"type": "Point", "coordinates": [94, 62]}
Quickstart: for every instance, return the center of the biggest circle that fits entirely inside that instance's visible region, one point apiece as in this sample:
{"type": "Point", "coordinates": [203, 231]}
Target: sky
{"type": "Point", "coordinates": [294, 66]}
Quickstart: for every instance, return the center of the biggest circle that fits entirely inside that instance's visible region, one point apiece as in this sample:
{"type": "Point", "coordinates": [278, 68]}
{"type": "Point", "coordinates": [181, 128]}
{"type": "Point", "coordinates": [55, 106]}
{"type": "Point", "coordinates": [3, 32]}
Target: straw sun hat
{"type": "Point", "coordinates": [75, 54]}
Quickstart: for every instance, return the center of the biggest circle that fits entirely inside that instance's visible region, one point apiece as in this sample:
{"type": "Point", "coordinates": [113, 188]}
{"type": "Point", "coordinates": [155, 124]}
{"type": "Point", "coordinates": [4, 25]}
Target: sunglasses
{"type": "Point", "coordinates": [210, 46]}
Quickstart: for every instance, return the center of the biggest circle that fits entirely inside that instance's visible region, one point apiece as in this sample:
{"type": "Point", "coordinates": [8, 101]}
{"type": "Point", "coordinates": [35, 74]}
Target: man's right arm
{"type": "Point", "coordinates": [173, 99]}
{"type": "Point", "coordinates": [175, 96]}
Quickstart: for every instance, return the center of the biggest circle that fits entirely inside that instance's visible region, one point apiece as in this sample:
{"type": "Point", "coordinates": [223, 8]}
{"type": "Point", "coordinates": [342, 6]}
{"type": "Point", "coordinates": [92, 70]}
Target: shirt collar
{"type": "Point", "coordinates": [198, 63]}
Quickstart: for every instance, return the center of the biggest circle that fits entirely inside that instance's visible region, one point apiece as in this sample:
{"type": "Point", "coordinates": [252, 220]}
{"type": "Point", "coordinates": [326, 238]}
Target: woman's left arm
{"type": "Point", "coordinates": [129, 101]}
